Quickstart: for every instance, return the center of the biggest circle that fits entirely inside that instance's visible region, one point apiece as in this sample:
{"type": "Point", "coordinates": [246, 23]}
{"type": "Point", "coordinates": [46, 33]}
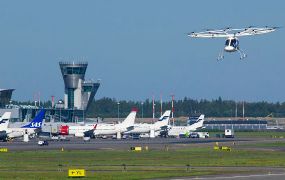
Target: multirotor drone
{"type": "Point", "coordinates": [231, 35]}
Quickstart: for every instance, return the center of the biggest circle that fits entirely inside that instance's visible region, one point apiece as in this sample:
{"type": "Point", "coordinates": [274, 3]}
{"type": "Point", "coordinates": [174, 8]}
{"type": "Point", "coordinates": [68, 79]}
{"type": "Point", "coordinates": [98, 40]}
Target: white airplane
{"type": "Point", "coordinates": [184, 130]}
{"type": "Point", "coordinates": [33, 127]}
{"type": "Point", "coordinates": [4, 121]}
{"type": "Point", "coordinates": [152, 129]}
{"type": "Point", "coordinates": [116, 129]}
{"type": "Point", "coordinates": [232, 42]}
{"type": "Point", "coordinates": [78, 131]}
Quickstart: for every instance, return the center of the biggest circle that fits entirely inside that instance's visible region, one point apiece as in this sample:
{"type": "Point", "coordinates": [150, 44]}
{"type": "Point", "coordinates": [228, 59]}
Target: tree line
{"type": "Point", "coordinates": [110, 107]}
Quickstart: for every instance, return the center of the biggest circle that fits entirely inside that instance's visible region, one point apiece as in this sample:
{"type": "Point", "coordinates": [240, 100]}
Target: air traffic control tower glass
{"type": "Point", "coordinates": [73, 75]}
{"type": "Point", "coordinates": [75, 70]}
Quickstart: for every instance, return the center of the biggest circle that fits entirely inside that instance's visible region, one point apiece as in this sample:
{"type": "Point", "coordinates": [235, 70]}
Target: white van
{"type": "Point", "coordinates": [229, 133]}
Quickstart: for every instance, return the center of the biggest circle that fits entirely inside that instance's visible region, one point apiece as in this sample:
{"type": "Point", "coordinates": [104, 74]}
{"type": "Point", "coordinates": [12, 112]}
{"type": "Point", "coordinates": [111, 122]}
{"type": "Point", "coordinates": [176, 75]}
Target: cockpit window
{"type": "Point", "coordinates": [233, 42]}
{"type": "Point", "coordinates": [227, 42]}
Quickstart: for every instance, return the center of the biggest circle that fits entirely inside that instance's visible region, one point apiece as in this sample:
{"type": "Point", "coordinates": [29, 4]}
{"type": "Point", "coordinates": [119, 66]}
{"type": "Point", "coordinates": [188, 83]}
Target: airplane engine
{"type": "Point", "coordinates": [15, 134]}
{"type": "Point", "coordinates": [3, 136]}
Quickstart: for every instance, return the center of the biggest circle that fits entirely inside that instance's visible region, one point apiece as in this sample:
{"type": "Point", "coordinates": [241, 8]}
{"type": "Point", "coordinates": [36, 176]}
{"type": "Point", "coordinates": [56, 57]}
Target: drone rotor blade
{"type": "Point", "coordinates": [233, 32]}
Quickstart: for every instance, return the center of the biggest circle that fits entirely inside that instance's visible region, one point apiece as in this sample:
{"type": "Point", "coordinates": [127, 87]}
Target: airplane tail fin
{"type": "Point", "coordinates": [201, 118]}
{"type": "Point", "coordinates": [37, 121]}
{"type": "Point", "coordinates": [199, 123]}
{"type": "Point", "coordinates": [164, 119]}
{"type": "Point", "coordinates": [4, 121]}
{"type": "Point", "coordinates": [130, 119]}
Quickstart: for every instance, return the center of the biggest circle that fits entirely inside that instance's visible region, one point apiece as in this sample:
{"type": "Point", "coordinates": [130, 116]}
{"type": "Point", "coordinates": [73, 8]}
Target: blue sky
{"type": "Point", "coordinates": [140, 48]}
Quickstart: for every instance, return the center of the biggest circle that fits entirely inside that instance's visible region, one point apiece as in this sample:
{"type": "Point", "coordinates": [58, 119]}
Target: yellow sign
{"type": "Point", "coordinates": [76, 172]}
{"type": "Point", "coordinates": [3, 149]}
{"type": "Point", "coordinates": [138, 148]}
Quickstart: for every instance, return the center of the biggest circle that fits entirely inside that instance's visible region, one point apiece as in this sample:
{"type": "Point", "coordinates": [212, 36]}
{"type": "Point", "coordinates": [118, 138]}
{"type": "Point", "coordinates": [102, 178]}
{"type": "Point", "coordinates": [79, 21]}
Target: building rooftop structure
{"type": "Point", "coordinates": [78, 93]}
{"type": "Point", "coordinates": [5, 96]}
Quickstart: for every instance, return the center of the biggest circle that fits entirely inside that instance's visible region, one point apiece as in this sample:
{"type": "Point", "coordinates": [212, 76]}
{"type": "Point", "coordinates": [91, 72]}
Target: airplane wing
{"type": "Point", "coordinates": [163, 128]}
{"type": "Point", "coordinates": [130, 128]}
{"type": "Point", "coordinates": [89, 133]}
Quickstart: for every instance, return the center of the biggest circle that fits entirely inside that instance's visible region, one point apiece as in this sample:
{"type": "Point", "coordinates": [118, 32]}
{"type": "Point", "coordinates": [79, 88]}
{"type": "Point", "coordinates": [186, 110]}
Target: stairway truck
{"type": "Point", "coordinates": [229, 133]}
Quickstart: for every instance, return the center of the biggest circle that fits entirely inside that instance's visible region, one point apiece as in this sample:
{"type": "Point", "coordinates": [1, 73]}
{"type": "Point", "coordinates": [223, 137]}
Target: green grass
{"type": "Point", "coordinates": [277, 144]}
{"type": "Point", "coordinates": [107, 164]}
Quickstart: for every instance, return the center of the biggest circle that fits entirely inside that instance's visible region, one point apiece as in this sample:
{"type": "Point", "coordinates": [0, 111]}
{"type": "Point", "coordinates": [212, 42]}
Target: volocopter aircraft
{"type": "Point", "coordinates": [231, 35]}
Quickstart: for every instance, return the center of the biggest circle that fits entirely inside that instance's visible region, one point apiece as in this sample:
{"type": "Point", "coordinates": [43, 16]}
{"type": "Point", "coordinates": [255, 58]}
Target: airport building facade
{"type": "Point", "coordinates": [5, 97]}
{"type": "Point", "coordinates": [235, 124]}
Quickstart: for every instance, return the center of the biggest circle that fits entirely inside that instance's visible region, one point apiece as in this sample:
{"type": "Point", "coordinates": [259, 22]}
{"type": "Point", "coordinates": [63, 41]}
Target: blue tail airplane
{"type": "Point", "coordinates": [37, 121]}
{"type": "Point", "coordinates": [29, 129]}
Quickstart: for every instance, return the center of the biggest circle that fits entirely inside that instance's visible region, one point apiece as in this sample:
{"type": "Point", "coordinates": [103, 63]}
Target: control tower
{"type": "Point", "coordinates": [78, 93]}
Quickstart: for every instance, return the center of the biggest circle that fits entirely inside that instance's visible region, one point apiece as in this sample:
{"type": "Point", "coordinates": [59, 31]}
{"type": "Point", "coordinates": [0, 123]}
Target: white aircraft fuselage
{"type": "Point", "coordinates": [78, 131]}
{"type": "Point", "coordinates": [115, 129]}
{"type": "Point", "coordinates": [147, 128]}
{"type": "Point", "coordinates": [178, 130]}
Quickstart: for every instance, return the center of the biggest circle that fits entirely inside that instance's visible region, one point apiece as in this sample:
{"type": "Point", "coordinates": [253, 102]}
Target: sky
{"type": "Point", "coordinates": [140, 48]}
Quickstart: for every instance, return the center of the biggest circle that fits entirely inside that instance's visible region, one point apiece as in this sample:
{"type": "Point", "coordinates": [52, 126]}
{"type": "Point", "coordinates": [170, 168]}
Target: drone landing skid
{"type": "Point", "coordinates": [221, 56]}
{"type": "Point", "coordinates": [241, 53]}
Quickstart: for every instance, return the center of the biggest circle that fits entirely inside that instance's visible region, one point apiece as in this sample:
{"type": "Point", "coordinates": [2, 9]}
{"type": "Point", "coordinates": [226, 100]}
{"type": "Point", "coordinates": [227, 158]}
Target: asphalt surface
{"type": "Point", "coordinates": [123, 144]}
{"type": "Point", "coordinates": [278, 176]}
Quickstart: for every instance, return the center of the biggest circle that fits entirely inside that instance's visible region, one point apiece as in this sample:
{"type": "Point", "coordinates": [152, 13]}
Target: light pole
{"type": "Point", "coordinates": [118, 110]}
{"type": "Point", "coordinates": [153, 108]}
{"type": "Point", "coordinates": [60, 114]}
{"type": "Point", "coordinates": [172, 107]}
{"type": "Point", "coordinates": [142, 108]}
{"type": "Point", "coordinates": [60, 103]}
{"type": "Point", "coordinates": [10, 103]}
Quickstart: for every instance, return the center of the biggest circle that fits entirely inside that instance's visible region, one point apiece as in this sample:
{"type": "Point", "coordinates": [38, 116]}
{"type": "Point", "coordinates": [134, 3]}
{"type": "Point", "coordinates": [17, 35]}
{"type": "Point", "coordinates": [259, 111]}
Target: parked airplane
{"type": "Point", "coordinates": [184, 130]}
{"type": "Point", "coordinates": [78, 131]}
{"type": "Point", "coordinates": [4, 121]}
{"type": "Point", "coordinates": [151, 129]}
{"type": "Point", "coordinates": [116, 129]}
{"type": "Point", "coordinates": [33, 127]}
{"type": "Point", "coordinates": [99, 129]}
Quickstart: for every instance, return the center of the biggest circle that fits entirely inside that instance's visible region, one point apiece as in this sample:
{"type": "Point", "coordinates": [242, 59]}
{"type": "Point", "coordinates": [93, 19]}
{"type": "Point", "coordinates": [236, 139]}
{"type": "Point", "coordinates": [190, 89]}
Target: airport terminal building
{"type": "Point", "coordinates": [236, 124]}
{"type": "Point", "coordinates": [5, 97]}
{"type": "Point", "coordinates": [78, 95]}
{"type": "Point", "coordinates": [239, 124]}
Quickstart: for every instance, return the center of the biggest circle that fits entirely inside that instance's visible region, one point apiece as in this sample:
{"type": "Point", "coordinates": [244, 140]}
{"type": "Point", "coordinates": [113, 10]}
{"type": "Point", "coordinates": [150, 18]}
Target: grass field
{"type": "Point", "coordinates": [272, 144]}
{"type": "Point", "coordinates": [108, 164]}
